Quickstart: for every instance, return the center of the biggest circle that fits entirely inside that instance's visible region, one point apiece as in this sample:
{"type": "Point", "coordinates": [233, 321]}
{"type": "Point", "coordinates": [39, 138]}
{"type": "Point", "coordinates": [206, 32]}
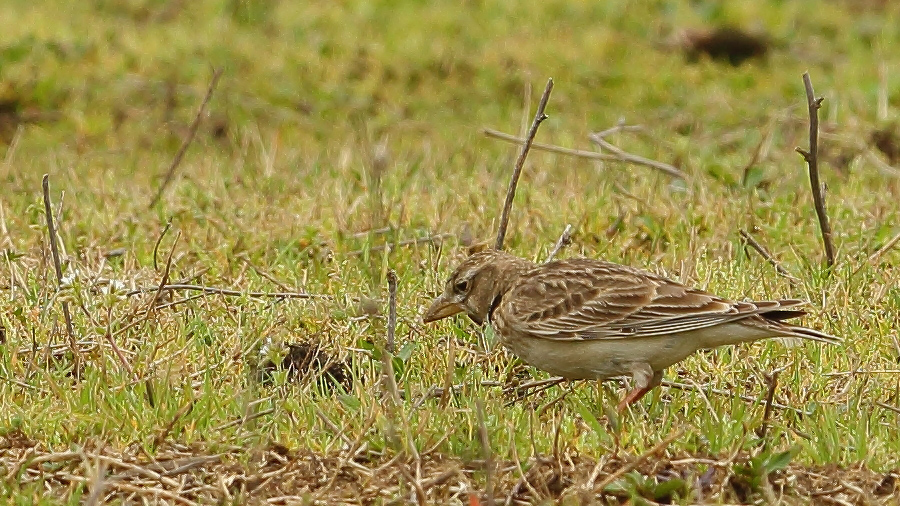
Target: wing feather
{"type": "Point", "coordinates": [589, 299]}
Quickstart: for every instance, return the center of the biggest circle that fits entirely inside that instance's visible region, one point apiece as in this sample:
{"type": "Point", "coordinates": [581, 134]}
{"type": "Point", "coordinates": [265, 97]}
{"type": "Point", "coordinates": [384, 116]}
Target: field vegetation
{"type": "Point", "coordinates": [344, 141]}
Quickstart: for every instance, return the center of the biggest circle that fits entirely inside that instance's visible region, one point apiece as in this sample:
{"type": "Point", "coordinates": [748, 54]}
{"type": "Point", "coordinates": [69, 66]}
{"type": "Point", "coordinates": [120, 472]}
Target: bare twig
{"type": "Point", "coordinates": [158, 241]}
{"type": "Point", "coordinates": [621, 126]}
{"type": "Point", "coordinates": [486, 451]}
{"type": "Point", "coordinates": [874, 257]}
{"type": "Point", "coordinates": [448, 375]}
{"type": "Point", "coordinates": [539, 117]}
{"type": "Point", "coordinates": [659, 447]}
{"type": "Point", "coordinates": [192, 131]}
{"type": "Point", "coordinates": [765, 254]}
{"type": "Point", "coordinates": [812, 162]}
{"type": "Point", "coordinates": [625, 156]}
{"type": "Point", "coordinates": [244, 419]}
{"type": "Point", "coordinates": [392, 310]}
{"type": "Point", "coordinates": [165, 277]}
{"type": "Point", "coordinates": [580, 153]}
{"type": "Point", "coordinates": [772, 382]}
{"type": "Point", "coordinates": [223, 291]}
{"type": "Point", "coordinates": [54, 249]}
{"type": "Point", "coordinates": [726, 393]}
{"type": "Point", "coordinates": [434, 239]}
{"type": "Point", "coordinates": [888, 407]}
{"type": "Point", "coordinates": [564, 240]}
{"type": "Point", "coordinates": [164, 433]}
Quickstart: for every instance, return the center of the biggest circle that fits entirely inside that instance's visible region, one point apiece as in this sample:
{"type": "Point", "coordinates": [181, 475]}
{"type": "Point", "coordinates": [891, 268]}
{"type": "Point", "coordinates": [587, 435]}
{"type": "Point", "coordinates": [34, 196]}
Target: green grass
{"type": "Point", "coordinates": [335, 120]}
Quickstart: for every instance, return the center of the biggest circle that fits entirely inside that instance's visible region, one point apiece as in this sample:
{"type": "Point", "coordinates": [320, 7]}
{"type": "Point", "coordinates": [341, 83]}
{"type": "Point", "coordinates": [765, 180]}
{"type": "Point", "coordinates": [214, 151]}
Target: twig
{"type": "Point", "coordinates": [888, 407]}
{"type": "Point", "coordinates": [522, 391]}
{"type": "Point", "coordinates": [625, 156]}
{"type": "Point", "coordinates": [726, 393]}
{"type": "Point", "coordinates": [165, 276]}
{"type": "Point", "coordinates": [812, 162]}
{"type": "Point", "coordinates": [434, 239]}
{"type": "Point", "coordinates": [192, 131]}
{"type": "Point", "coordinates": [539, 117]}
{"type": "Point", "coordinates": [874, 257]}
{"type": "Point", "coordinates": [158, 241]}
{"type": "Point", "coordinates": [564, 240]}
{"type": "Point", "coordinates": [580, 153]}
{"type": "Point", "coordinates": [392, 310]}
{"type": "Point", "coordinates": [618, 473]}
{"type": "Point", "coordinates": [772, 381]}
{"type": "Point", "coordinates": [620, 127]}
{"type": "Point", "coordinates": [223, 291]}
{"type": "Point", "coordinates": [54, 249]}
{"type": "Point", "coordinates": [164, 433]}
{"type": "Point", "coordinates": [766, 255]}
{"type": "Point", "coordinates": [448, 374]}
{"type": "Point", "coordinates": [486, 451]}
{"type": "Point", "coordinates": [244, 419]}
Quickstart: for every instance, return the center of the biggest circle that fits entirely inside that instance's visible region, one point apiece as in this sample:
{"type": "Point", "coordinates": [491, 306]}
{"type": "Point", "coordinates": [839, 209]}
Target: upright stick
{"type": "Point", "coordinates": [812, 161]}
{"type": "Point", "coordinates": [517, 170]}
{"type": "Point", "coordinates": [54, 250]}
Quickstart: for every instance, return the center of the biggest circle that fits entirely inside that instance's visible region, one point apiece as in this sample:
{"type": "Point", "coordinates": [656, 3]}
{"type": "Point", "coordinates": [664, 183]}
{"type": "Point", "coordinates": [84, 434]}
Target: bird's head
{"type": "Point", "coordinates": [477, 285]}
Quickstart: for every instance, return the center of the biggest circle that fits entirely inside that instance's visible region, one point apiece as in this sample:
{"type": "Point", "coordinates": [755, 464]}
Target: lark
{"type": "Point", "coordinates": [590, 319]}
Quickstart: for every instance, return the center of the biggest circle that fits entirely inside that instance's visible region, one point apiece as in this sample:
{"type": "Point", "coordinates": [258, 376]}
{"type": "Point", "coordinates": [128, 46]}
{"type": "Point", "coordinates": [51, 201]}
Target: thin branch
{"type": "Point", "coordinates": [223, 291]}
{"type": "Point", "coordinates": [564, 240]}
{"type": "Point", "coordinates": [625, 156]}
{"type": "Point", "coordinates": [392, 310]}
{"type": "Point", "coordinates": [812, 161]}
{"type": "Point", "coordinates": [54, 249]}
{"type": "Point", "coordinates": [434, 239]}
{"type": "Point", "coordinates": [590, 155]}
{"type": "Point", "coordinates": [158, 241]}
{"type": "Point", "coordinates": [765, 254]}
{"type": "Point", "coordinates": [729, 394]}
{"type": "Point", "coordinates": [192, 131]}
{"type": "Point", "coordinates": [539, 117]}
{"type": "Point", "coordinates": [621, 126]}
{"type": "Point", "coordinates": [485, 440]}
{"type": "Point", "coordinates": [873, 259]}
{"type": "Point", "coordinates": [772, 382]}
{"type": "Point", "coordinates": [631, 466]}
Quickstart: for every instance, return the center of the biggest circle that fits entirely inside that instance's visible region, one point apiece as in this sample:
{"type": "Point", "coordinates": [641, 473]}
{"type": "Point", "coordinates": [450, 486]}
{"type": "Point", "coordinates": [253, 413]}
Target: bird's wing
{"type": "Point", "coordinates": [589, 299]}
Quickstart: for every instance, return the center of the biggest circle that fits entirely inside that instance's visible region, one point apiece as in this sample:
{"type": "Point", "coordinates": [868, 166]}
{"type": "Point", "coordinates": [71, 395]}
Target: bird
{"type": "Point", "coordinates": [583, 318]}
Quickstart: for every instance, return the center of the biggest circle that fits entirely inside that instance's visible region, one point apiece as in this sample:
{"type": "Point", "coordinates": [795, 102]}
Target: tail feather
{"type": "Point", "coordinates": [785, 310]}
{"type": "Point", "coordinates": [815, 335]}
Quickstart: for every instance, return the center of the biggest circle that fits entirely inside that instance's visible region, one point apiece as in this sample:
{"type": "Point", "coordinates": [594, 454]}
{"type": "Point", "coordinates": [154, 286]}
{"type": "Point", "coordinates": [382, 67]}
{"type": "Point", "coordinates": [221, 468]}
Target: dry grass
{"type": "Point", "coordinates": [181, 474]}
{"type": "Point", "coordinates": [344, 141]}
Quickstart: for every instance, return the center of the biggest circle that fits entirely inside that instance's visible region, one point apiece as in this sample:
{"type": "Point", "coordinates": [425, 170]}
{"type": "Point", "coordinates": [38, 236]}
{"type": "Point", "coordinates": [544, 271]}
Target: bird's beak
{"type": "Point", "coordinates": [441, 308]}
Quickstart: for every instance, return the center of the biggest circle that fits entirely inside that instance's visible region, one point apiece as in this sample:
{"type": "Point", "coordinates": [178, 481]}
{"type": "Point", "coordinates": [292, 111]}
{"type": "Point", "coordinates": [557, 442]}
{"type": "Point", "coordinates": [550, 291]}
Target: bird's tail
{"type": "Point", "coordinates": [815, 335]}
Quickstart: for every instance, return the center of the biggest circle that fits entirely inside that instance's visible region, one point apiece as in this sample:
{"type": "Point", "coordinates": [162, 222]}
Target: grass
{"type": "Point", "coordinates": [337, 129]}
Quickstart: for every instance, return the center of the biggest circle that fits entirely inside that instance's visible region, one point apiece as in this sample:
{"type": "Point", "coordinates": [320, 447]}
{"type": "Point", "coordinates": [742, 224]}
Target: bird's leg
{"type": "Point", "coordinates": [645, 379]}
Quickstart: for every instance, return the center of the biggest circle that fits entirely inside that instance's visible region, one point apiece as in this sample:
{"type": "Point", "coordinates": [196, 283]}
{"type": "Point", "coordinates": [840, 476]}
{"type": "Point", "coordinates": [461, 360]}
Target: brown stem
{"type": "Point", "coordinates": [54, 249]}
{"type": "Point", "coordinates": [539, 117]}
{"type": "Point", "coordinates": [812, 162]}
{"type": "Point", "coordinates": [192, 131]}
{"type": "Point", "coordinates": [392, 310]}
{"type": "Point", "coordinates": [765, 254]}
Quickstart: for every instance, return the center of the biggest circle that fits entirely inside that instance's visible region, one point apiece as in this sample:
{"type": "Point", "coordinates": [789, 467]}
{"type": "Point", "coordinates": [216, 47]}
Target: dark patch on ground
{"type": "Point", "coordinates": [887, 141]}
{"type": "Point", "coordinates": [725, 43]}
{"type": "Point", "coordinates": [309, 362]}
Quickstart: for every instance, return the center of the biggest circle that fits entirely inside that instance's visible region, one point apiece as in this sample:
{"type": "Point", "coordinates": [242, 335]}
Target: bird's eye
{"type": "Point", "coordinates": [461, 286]}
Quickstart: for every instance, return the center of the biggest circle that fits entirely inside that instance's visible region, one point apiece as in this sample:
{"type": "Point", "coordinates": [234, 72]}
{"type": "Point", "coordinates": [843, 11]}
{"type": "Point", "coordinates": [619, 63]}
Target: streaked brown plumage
{"type": "Point", "coordinates": [590, 319]}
